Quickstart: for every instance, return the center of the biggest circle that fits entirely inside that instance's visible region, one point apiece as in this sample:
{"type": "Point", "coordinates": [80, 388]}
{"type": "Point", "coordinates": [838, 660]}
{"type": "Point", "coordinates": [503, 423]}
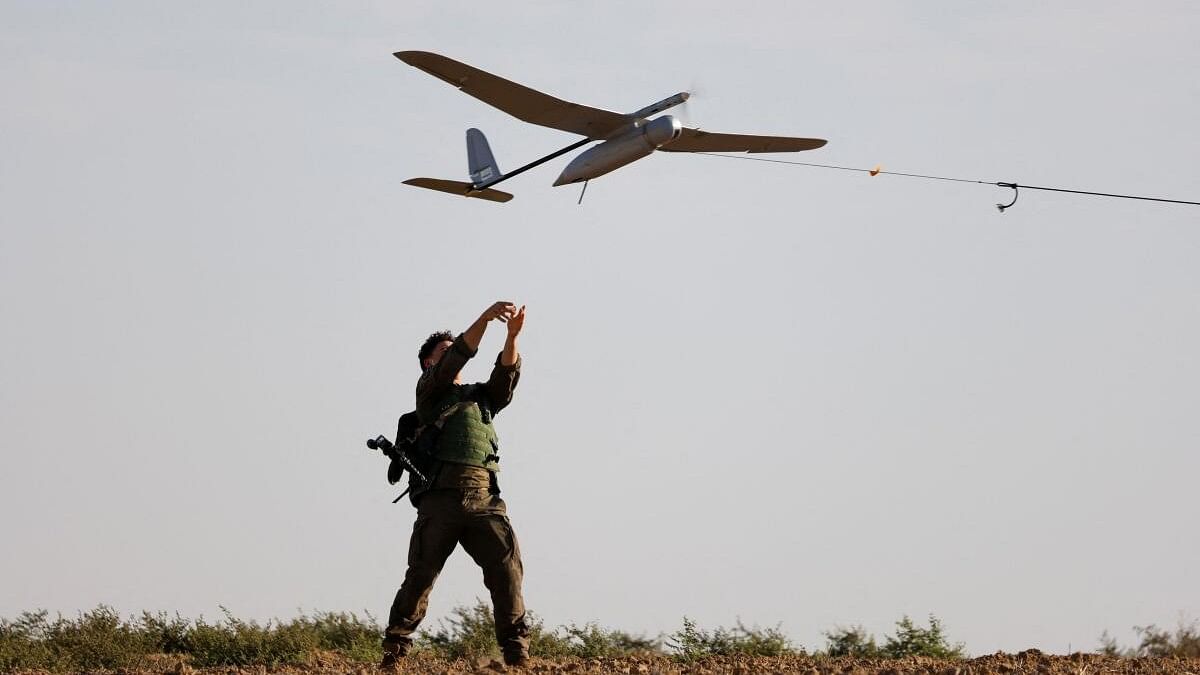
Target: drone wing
{"type": "Point", "coordinates": [456, 187]}
{"type": "Point", "coordinates": [521, 102]}
{"type": "Point", "coordinates": [695, 140]}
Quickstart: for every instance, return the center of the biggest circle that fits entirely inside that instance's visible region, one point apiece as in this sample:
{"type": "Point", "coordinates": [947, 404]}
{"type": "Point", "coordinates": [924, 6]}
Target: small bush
{"type": "Point", "coordinates": [690, 643]}
{"type": "Point", "coordinates": [592, 641]}
{"type": "Point", "coordinates": [244, 643]}
{"type": "Point", "coordinates": [1161, 642]}
{"type": "Point", "coordinates": [98, 639]}
{"type": "Point", "coordinates": [547, 644]}
{"type": "Point", "coordinates": [165, 635]}
{"type": "Point", "coordinates": [1108, 645]}
{"type": "Point", "coordinates": [346, 634]}
{"type": "Point", "coordinates": [909, 640]}
{"type": "Point", "coordinates": [470, 633]}
{"type": "Point", "coordinates": [1155, 641]}
{"type": "Point", "coordinates": [24, 642]}
{"type": "Point", "coordinates": [912, 640]}
{"type": "Point", "coordinates": [851, 641]}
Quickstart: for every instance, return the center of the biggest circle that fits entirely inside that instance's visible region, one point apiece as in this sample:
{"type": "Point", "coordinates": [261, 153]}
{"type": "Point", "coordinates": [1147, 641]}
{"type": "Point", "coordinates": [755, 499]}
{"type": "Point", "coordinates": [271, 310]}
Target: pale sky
{"type": "Point", "coordinates": [787, 395]}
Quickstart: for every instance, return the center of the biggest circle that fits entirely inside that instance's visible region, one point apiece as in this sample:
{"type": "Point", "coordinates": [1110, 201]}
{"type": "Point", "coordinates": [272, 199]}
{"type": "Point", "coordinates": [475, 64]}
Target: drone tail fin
{"type": "Point", "coordinates": [456, 187]}
{"type": "Point", "coordinates": [480, 163]}
{"type": "Point", "coordinates": [483, 171]}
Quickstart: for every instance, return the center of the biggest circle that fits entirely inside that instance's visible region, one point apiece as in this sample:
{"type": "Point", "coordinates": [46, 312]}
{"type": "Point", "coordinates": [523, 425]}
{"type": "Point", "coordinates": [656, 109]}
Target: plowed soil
{"type": "Point", "coordinates": [1031, 662]}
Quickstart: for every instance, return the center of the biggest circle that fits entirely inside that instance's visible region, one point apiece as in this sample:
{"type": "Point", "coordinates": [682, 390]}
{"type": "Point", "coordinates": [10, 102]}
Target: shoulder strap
{"type": "Point", "coordinates": [448, 412]}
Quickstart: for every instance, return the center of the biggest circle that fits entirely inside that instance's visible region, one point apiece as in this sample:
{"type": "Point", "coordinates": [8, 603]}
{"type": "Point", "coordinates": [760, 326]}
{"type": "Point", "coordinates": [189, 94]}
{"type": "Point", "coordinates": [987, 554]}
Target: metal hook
{"type": "Point", "coordinates": [1016, 194]}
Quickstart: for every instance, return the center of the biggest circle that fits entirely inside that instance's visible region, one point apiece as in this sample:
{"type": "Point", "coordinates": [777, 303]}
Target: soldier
{"type": "Point", "coordinates": [462, 505]}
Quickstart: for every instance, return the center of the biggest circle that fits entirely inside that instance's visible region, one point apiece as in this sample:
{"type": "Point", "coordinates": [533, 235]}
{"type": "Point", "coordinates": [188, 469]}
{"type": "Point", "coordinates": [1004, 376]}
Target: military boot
{"type": "Point", "coordinates": [392, 653]}
{"type": "Point", "coordinates": [516, 660]}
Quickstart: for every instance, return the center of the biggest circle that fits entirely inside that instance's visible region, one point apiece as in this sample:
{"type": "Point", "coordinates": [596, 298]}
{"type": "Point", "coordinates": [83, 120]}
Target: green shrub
{"type": "Point", "coordinates": [690, 643]}
{"type": "Point", "coordinates": [346, 634]}
{"type": "Point", "coordinates": [244, 643]}
{"type": "Point", "coordinates": [101, 640]}
{"type": "Point", "coordinates": [851, 641]}
{"type": "Point", "coordinates": [913, 640]}
{"type": "Point", "coordinates": [470, 633]}
{"type": "Point", "coordinates": [1155, 641]}
{"type": "Point", "coordinates": [24, 642]}
{"type": "Point", "coordinates": [592, 641]}
{"type": "Point", "coordinates": [1108, 645]}
{"type": "Point", "coordinates": [1161, 642]}
{"type": "Point", "coordinates": [165, 635]}
{"type": "Point", "coordinates": [98, 639]}
{"type": "Point", "coordinates": [909, 640]}
{"type": "Point", "coordinates": [547, 644]}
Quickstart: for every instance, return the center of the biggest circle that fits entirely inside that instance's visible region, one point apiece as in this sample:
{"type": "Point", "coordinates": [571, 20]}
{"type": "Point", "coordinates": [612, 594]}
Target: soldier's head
{"type": "Point", "coordinates": [434, 346]}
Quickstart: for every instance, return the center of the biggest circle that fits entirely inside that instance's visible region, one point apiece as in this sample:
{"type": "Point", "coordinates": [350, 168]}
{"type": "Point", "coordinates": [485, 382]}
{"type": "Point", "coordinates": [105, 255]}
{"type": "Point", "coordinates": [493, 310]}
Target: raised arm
{"type": "Point", "coordinates": [510, 354]}
{"type": "Point", "coordinates": [502, 311]}
{"type": "Point", "coordinates": [507, 371]}
{"type": "Point", "coordinates": [449, 362]}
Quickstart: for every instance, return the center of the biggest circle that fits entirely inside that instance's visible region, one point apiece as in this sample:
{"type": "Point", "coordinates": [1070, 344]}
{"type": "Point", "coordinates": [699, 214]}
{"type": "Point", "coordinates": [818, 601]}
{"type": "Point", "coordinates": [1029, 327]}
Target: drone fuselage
{"type": "Point", "coordinates": [645, 137]}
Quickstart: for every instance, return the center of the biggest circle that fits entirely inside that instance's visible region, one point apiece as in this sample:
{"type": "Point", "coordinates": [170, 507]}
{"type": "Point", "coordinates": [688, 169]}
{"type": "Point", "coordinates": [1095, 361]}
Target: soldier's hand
{"type": "Point", "coordinates": [502, 311]}
{"type": "Point", "coordinates": [516, 323]}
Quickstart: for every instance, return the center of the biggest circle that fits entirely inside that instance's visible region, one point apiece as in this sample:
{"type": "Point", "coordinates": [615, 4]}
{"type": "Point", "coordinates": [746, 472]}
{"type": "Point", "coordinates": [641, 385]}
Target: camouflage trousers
{"type": "Point", "coordinates": [478, 520]}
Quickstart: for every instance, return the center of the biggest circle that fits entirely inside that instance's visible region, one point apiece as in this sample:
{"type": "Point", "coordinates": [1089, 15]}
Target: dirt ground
{"type": "Point", "coordinates": [1031, 662]}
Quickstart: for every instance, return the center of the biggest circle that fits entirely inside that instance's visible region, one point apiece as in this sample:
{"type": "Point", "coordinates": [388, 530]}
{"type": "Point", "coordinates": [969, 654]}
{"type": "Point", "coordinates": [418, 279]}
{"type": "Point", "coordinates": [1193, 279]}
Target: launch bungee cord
{"type": "Point", "coordinates": [878, 170]}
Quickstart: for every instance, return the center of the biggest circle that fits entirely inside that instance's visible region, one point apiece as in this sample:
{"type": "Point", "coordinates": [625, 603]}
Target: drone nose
{"type": "Point", "coordinates": [564, 179]}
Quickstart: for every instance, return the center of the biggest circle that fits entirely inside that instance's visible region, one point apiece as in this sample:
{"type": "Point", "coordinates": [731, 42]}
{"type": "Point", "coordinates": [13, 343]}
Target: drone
{"type": "Point", "coordinates": [622, 137]}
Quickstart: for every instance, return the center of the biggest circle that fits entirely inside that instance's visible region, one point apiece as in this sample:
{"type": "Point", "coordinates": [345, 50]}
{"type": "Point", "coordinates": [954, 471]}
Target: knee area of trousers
{"type": "Point", "coordinates": [422, 574]}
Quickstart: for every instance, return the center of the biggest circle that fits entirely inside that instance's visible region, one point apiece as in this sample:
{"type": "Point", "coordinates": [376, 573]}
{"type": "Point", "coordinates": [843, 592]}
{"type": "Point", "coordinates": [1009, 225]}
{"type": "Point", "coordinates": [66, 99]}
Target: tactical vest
{"type": "Point", "coordinates": [467, 435]}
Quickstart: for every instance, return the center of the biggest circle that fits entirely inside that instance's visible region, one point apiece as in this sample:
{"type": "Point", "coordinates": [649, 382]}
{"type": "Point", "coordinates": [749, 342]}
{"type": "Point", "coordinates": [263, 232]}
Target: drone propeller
{"type": "Point", "coordinates": [684, 111]}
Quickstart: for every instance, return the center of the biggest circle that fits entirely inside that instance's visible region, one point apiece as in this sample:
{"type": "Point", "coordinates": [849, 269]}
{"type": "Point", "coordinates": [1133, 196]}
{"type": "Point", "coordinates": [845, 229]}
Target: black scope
{"type": "Point", "coordinates": [379, 443]}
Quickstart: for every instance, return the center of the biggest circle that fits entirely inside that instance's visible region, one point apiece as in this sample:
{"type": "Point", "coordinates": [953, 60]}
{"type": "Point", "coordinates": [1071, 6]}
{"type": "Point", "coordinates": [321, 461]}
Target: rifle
{"type": "Point", "coordinates": [400, 463]}
{"type": "Point", "coordinates": [414, 448]}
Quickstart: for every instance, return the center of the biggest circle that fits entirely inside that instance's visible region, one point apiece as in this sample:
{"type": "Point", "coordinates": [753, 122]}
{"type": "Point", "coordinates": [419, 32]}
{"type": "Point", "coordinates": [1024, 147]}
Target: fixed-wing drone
{"type": "Point", "coordinates": [622, 137]}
